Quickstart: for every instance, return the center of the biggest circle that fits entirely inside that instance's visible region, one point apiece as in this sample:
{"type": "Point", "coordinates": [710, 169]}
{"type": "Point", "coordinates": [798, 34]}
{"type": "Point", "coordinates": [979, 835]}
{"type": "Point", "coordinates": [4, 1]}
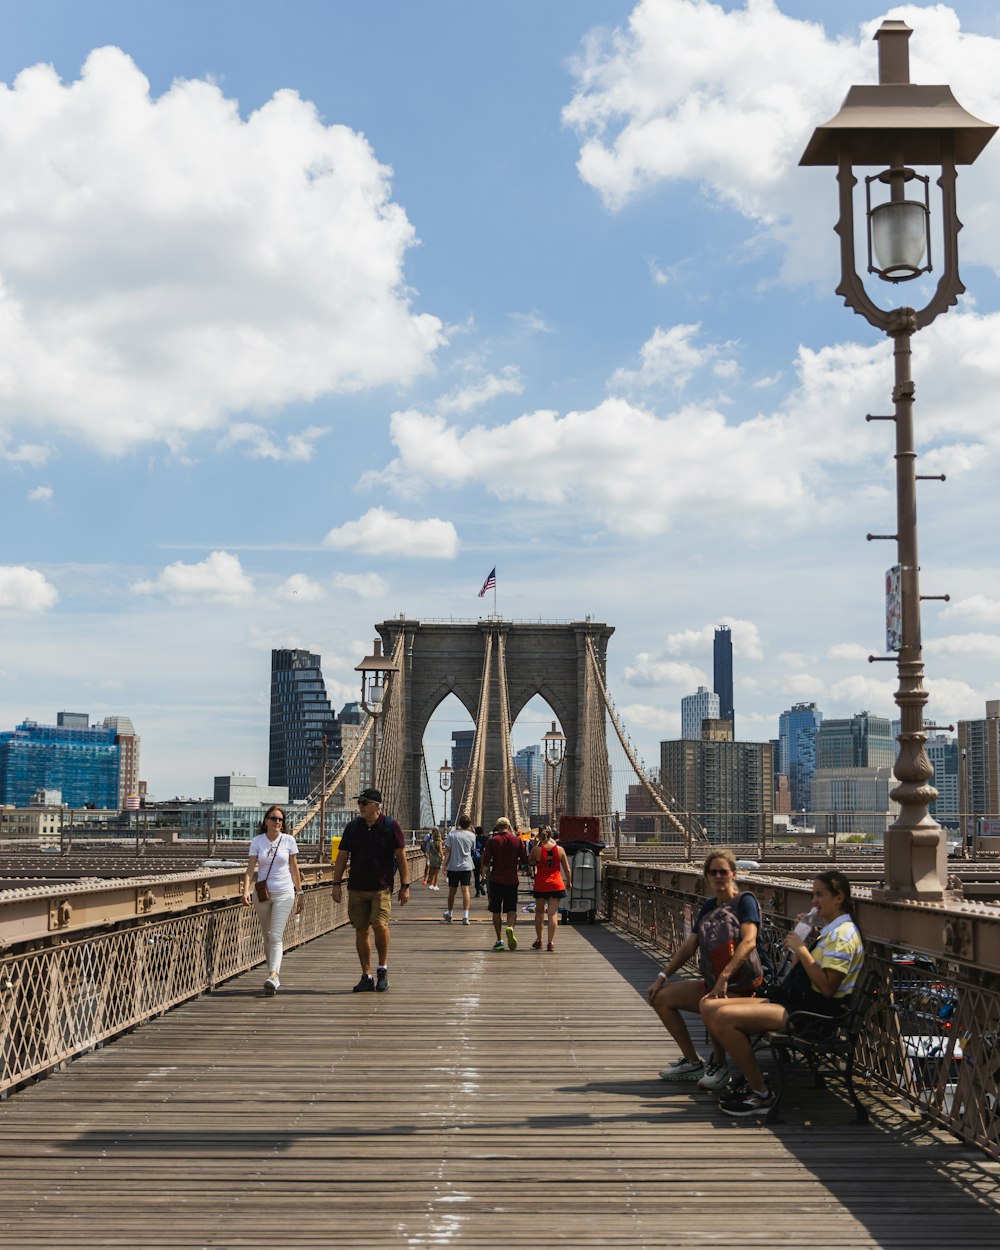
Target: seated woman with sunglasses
{"type": "Point", "coordinates": [274, 854]}
{"type": "Point", "coordinates": [820, 981]}
{"type": "Point", "coordinates": [724, 935]}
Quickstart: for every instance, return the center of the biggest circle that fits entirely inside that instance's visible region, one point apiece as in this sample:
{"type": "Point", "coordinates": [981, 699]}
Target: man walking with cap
{"type": "Point", "coordinates": [375, 846]}
{"type": "Point", "coordinates": [503, 856]}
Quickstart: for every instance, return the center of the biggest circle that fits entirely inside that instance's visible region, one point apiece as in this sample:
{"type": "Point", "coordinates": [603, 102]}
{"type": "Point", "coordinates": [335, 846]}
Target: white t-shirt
{"type": "Point", "coordinates": [461, 842]}
{"type": "Point", "coordinates": [272, 861]}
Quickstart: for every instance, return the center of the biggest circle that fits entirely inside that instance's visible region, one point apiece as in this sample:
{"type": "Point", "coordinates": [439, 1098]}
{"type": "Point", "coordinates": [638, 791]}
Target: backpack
{"type": "Point", "coordinates": [718, 937]}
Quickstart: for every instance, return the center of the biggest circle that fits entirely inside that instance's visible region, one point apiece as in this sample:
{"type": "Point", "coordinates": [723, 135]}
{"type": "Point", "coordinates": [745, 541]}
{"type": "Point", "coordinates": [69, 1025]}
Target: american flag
{"type": "Point", "coordinates": [490, 582]}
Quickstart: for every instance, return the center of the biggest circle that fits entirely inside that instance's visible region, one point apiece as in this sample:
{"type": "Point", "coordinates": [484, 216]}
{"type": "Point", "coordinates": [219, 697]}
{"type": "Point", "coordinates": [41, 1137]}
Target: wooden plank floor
{"type": "Point", "coordinates": [488, 1100]}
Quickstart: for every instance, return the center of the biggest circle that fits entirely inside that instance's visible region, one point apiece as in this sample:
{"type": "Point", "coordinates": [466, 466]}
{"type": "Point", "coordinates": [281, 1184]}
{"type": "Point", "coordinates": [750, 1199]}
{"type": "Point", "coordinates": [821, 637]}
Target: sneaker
{"type": "Point", "coordinates": [716, 1076]}
{"type": "Point", "coordinates": [466, 920]}
{"type": "Point", "coordinates": [499, 946]}
{"type": "Point", "coordinates": [366, 985]}
{"type": "Point", "coordinates": [382, 983]}
{"type": "Point", "coordinates": [750, 1104]}
{"type": "Point", "coordinates": [271, 986]}
{"type": "Point", "coordinates": [550, 947]}
{"type": "Point", "coordinates": [511, 939]}
{"type": "Point", "coordinates": [683, 1070]}
{"type": "Point", "coordinates": [447, 917]}
{"type": "Point", "coordinates": [536, 945]}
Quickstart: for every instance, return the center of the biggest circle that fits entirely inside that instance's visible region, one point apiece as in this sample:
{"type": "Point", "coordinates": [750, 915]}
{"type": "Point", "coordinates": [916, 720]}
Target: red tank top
{"type": "Point", "coordinates": [548, 871]}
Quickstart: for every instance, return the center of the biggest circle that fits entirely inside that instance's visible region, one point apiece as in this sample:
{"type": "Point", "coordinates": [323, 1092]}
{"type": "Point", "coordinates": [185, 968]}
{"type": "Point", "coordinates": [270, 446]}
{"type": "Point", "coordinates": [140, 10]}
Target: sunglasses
{"type": "Point", "coordinates": [279, 819]}
{"type": "Point", "coordinates": [718, 872]}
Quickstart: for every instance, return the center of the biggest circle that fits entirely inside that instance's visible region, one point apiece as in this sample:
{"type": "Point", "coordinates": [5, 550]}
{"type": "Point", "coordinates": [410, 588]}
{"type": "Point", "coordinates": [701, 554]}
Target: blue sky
{"type": "Point", "coordinates": [313, 314]}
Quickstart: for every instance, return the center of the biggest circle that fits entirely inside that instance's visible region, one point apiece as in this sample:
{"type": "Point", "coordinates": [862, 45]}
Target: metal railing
{"type": "Point", "coordinates": [933, 1039]}
{"type": "Point", "coordinates": [79, 990]}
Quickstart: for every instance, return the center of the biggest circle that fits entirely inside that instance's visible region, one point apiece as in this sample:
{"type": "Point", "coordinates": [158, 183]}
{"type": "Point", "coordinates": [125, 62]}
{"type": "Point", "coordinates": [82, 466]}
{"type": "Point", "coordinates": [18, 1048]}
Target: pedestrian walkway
{"type": "Point", "coordinates": [488, 1100]}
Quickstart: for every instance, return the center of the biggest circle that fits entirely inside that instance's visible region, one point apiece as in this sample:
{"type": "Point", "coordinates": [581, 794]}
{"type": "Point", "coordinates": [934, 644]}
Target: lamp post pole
{"type": "Point", "coordinates": [376, 670]}
{"type": "Point", "coordinates": [554, 744]}
{"type": "Point", "coordinates": [445, 777]}
{"type": "Point", "coordinates": [890, 124]}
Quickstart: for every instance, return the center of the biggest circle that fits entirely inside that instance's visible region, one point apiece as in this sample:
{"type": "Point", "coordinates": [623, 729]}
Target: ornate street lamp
{"type": "Point", "coordinates": [896, 125]}
{"type": "Point", "coordinates": [554, 747]}
{"type": "Point", "coordinates": [526, 795]}
{"type": "Point", "coordinates": [376, 670]}
{"type": "Point", "coordinates": [445, 778]}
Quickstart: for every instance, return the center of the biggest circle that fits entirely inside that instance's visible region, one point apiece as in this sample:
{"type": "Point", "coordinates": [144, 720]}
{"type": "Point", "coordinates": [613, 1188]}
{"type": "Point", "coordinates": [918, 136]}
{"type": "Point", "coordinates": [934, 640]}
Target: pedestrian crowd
{"type": "Point", "coordinates": [738, 992]}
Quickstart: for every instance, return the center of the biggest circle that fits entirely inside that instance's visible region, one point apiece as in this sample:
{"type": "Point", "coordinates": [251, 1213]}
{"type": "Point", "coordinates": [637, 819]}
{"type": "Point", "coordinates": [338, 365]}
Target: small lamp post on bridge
{"type": "Point", "coordinates": [376, 670]}
{"type": "Point", "coordinates": [445, 778]}
{"type": "Point", "coordinates": [526, 795]}
{"type": "Point", "coordinates": [554, 746]}
{"type": "Point", "coordinates": [896, 125]}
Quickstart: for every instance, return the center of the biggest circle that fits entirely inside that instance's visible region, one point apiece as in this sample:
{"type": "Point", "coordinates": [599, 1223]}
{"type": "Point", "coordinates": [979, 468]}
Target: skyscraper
{"type": "Point", "coordinates": [695, 708]}
{"type": "Point", "coordinates": [860, 741]}
{"type": "Point", "coordinates": [722, 669]}
{"type": "Point", "coordinates": [853, 776]}
{"type": "Point", "coordinates": [979, 768]}
{"type": "Point", "coordinates": [797, 730]}
{"type": "Point", "coordinates": [728, 786]}
{"type": "Point", "coordinates": [300, 716]}
{"type": "Point", "coordinates": [127, 741]}
{"type": "Point", "coordinates": [942, 751]}
{"type": "Point", "coordinates": [79, 761]}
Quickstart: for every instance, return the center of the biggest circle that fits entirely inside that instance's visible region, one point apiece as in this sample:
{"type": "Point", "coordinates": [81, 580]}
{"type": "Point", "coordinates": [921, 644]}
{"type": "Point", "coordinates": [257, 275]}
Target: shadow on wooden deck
{"type": "Point", "coordinates": [489, 1099]}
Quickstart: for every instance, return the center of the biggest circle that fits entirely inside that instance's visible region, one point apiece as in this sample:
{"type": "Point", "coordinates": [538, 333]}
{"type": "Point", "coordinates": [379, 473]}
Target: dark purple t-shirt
{"type": "Point", "coordinates": [373, 852]}
{"type": "Point", "coordinates": [502, 856]}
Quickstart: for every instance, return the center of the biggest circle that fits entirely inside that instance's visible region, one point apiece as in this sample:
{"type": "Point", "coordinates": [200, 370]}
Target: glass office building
{"type": "Point", "coordinates": [797, 732]}
{"type": "Point", "coordinates": [83, 763]}
{"type": "Point", "coordinates": [301, 716]}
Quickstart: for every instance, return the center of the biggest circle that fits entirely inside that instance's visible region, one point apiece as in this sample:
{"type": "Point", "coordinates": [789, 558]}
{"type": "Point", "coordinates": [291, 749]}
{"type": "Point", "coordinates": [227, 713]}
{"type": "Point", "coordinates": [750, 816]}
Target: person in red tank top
{"type": "Point", "coordinates": [551, 876]}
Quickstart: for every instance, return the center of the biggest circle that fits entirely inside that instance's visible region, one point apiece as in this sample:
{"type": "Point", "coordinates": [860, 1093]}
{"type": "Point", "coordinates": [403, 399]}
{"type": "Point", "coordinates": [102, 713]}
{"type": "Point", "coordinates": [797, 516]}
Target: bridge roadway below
{"type": "Point", "coordinates": [488, 1100]}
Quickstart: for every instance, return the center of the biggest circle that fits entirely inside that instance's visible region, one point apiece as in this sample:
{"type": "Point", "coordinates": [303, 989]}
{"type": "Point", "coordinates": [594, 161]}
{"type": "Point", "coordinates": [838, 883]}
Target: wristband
{"type": "Point", "coordinates": [661, 976]}
{"type": "Point", "coordinates": [404, 885]}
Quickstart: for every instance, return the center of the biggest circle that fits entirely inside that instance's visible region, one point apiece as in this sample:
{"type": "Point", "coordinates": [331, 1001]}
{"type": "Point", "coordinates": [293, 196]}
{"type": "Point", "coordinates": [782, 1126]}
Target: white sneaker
{"type": "Point", "coordinates": [447, 917]}
{"type": "Point", "coordinates": [716, 1076]}
{"type": "Point", "coordinates": [466, 920]}
{"type": "Point", "coordinates": [271, 986]}
{"type": "Point", "coordinates": [683, 1070]}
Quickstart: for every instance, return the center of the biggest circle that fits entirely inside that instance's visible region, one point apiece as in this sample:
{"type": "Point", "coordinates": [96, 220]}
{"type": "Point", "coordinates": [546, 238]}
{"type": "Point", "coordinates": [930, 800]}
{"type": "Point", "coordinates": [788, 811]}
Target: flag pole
{"type": "Point", "coordinates": [494, 598]}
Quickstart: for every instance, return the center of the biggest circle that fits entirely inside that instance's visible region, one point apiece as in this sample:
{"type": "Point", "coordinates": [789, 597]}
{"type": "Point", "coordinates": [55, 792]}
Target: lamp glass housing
{"type": "Point", "coordinates": [555, 745]}
{"type": "Point", "coordinates": [899, 239]}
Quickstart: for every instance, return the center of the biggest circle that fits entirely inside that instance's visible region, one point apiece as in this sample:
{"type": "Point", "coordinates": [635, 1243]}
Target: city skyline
{"type": "Point", "coordinates": [359, 306]}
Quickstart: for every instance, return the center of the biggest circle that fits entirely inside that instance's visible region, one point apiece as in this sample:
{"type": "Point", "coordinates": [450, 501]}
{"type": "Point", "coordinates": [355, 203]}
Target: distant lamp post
{"type": "Point", "coordinates": [445, 778]}
{"type": "Point", "coordinates": [896, 125]}
{"type": "Point", "coordinates": [376, 670]}
{"type": "Point", "coordinates": [554, 747]}
{"type": "Point", "coordinates": [526, 795]}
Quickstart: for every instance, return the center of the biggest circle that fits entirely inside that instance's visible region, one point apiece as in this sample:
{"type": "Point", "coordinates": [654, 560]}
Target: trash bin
{"type": "Point", "coordinates": [580, 838]}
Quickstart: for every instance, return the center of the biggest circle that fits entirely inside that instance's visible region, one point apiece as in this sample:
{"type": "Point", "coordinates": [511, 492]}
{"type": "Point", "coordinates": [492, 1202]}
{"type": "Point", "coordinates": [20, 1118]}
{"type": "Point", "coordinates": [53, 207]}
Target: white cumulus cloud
{"type": "Point", "coordinates": [25, 591]}
{"type": "Point", "coordinates": [40, 494]}
{"type": "Point", "coordinates": [301, 589]}
{"type": "Point", "coordinates": [167, 263]}
{"type": "Point", "coordinates": [745, 639]}
{"type": "Point", "coordinates": [976, 607]}
{"type": "Point", "coordinates": [217, 579]}
{"type": "Point", "coordinates": [383, 533]}
{"type": "Point", "coordinates": [647, 670]}
{"type": "Point", "coordinates": [261, 444]}
{"type": "Point", "coordinates": [364, 585]}
{"type": "Point", "coordinates": [727, 98]}
{"type": "Point", "coordinates": [506, 382]}
{"type": "Point", "coordinates": [672, 357]}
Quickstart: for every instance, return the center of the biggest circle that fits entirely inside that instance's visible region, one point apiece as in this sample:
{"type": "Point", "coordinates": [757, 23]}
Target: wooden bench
{"type": "Point", "coordinates": [828, 1046]}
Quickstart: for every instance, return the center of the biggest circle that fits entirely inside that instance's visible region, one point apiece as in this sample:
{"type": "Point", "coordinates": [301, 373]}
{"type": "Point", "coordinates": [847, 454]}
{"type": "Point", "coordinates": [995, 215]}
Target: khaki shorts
{"type": "Point", "coordinates": [368, 907]}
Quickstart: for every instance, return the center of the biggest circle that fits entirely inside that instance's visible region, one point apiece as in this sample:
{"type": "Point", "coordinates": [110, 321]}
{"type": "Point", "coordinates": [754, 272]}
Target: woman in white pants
{"type": "Point", "coordinates": [274, 855]}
